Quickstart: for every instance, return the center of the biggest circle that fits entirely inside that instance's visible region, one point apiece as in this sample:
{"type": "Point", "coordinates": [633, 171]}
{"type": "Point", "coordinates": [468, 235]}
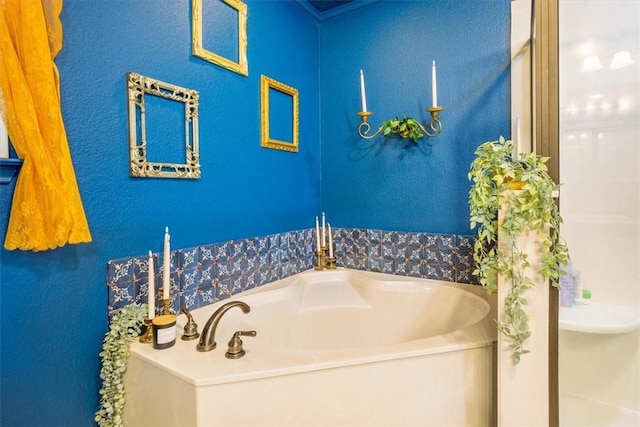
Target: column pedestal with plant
{"type": "Point", "coordinates": [518, 253]}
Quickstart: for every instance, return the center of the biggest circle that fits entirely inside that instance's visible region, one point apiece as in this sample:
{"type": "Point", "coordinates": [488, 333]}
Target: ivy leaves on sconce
{"type": "Point", "coordinates": [407, 128]}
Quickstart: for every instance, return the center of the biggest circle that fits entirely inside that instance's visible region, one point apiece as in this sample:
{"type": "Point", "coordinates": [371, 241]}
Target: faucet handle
{"type": "Point", "coordinates": [235, 350]}
{"type": "Point", "coordinates": [191, 328]}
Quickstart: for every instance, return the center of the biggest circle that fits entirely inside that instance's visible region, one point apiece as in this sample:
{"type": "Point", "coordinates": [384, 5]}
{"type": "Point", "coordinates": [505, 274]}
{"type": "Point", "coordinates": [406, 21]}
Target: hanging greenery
{"type": "Point", "coordinates": [123, 327]}
{"type": "Point", "coordinates": [407, 128]}
{"type": "Point", "coordinates": [530, 207]}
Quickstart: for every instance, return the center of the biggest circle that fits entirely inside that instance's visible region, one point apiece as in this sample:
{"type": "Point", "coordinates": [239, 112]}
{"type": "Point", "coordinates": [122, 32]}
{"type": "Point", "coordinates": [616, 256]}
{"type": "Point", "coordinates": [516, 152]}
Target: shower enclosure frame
{"type": "Point", "coordinates": [545, 123]}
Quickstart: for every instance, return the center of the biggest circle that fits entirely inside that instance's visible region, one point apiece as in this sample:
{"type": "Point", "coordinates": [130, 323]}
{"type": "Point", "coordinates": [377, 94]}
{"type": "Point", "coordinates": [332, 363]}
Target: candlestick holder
{"type": "Point", "coordinates": [434, 128]}
{"type": "Point", "coordinates": [147, 337]}
{"type": "Point", "coordinates": [166, 303]}
{"type": "Point", "coordinates": [320, 259]}
{"type": "Point", "coordinates": [324, 261]}
{"type": "Point", "coordinates": [435, 124]}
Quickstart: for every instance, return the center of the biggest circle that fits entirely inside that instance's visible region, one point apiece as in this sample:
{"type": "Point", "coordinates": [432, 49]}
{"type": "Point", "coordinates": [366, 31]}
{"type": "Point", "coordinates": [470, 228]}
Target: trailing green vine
{"type": "Point", "coordinates": [123, 327]}
{"type": "Point", "coordinates": [407, 128]}
{"type": "Point", "coordinates": [532, 208]}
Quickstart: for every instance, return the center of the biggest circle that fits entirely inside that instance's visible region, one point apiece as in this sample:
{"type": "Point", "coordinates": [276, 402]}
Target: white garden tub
{"type": "Point", "coordinates": [340, 347]}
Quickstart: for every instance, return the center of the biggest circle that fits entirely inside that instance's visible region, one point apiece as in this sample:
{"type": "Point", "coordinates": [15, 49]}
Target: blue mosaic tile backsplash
{"type": "Point", "coordinates": [205, 274]}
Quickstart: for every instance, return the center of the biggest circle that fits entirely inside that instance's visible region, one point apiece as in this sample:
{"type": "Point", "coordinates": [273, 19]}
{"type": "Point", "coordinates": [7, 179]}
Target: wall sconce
{"type": "Point", "coordinates": [407, 127]}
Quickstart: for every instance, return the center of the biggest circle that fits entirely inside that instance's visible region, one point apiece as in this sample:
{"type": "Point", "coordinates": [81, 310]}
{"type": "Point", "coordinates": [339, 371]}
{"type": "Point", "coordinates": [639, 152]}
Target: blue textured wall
{"type": "Point", "coordinates": [381, 183]}
{"type": "Point", "coordinates": [53, 304]}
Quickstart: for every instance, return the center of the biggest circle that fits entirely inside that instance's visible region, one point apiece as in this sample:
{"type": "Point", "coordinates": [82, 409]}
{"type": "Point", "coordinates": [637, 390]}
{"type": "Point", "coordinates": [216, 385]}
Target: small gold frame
{"type": "Point", "coordinates": [266, 84]}
{"type": "Point", "coordinates": [240, 67]}
{"type": "Point", "coordinates": [138, 86]}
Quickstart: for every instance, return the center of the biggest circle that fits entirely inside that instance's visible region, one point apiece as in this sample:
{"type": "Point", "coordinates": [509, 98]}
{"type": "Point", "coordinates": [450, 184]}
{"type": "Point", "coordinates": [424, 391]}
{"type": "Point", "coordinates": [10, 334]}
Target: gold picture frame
{"type": "Point", "coordinates": [138, 87]}
{"type": "Point", "coordinates": [198, 50]}
{"type": "Point", "coordinates": [266, 84]}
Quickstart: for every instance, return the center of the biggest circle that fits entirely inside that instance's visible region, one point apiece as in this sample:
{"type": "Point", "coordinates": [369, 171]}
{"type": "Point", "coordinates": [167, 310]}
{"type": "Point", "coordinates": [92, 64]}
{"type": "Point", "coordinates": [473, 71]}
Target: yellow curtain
{"type": "Point", "coordinates": [47, 211]}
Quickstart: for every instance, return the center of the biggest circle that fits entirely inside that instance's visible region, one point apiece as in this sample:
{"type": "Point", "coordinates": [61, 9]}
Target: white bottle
{"type": "Point", "coordinates": [566, 288]}
{"type": "Point", "coordinates": [577, 287]}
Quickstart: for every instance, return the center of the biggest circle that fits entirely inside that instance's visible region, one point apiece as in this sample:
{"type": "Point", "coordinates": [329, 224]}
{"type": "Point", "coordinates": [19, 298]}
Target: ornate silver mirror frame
{"type": "Point", "coordinates": [138, 86]}
{"type": "Point", "coordinates": [197, 49]}
{"type": "Point", "coordinates": [266, 84]}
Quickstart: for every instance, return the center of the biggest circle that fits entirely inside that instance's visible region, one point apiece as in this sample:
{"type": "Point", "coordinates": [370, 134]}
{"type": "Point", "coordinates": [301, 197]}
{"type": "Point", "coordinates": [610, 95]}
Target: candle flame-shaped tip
{"type": "Point", "coordinates": [166, 229]}
{"type": "Point", "coordinates": [434, 63]}
{"type": "Point", "coordinates": [361, 72]}
{"type": "Point", "coordinates": [150, 254]}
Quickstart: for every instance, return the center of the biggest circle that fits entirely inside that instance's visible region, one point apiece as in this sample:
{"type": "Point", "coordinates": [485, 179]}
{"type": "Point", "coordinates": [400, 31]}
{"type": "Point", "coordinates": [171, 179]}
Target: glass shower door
{"type": "Point", "coordinates": [599, 45]}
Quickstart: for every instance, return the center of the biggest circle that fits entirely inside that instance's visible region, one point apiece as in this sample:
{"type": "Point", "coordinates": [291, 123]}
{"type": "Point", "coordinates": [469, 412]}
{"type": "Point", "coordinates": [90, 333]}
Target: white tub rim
{"type": "Point", "coordinates": [184, 361]}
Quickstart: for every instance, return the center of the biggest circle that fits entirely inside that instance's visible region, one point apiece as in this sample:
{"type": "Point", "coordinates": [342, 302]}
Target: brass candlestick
{"type": "Point", "coordinates": [147, 337]}
{"type": "Point", "coordinates": [166, 303]}
{"type": "Point", "coordinates": [365, 127]}
{"type": "Point", "coordinates": [364, 115]}
{"type": "Point", "coordinates": [435, 124]}
{"type": "Point", "coordinates": [320, 259]}
{"type": "Point", "coordinates": [323, 260]}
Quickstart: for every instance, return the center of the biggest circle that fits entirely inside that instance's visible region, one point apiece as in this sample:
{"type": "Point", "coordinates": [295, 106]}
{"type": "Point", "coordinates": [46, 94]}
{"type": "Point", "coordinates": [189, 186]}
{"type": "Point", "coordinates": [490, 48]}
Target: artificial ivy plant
{"type": "Point", "coordinates": [524, 188]}
{"type": "Point", "coordinates": [406, 127]}
{"type": "Point", "coordinates": [123, 327]}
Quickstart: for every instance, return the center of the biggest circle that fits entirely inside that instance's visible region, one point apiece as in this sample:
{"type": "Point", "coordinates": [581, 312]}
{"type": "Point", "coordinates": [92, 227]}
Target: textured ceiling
{"type": "Point", "coordinates": [324, 5]}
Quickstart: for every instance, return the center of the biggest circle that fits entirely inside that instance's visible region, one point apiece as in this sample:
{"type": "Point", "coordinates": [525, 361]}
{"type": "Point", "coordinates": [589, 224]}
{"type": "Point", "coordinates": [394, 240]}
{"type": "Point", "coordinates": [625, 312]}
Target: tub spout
{"type": "Point", "coordinates": [208, 338]}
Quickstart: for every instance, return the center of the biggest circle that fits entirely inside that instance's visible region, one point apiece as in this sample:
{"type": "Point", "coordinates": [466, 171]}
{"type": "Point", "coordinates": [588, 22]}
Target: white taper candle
{"type": "Point", "coordinates": [324, 231]}
{"type": "Point", "coordinates": [434, 85]}
{"type": "Point", "coordinates": [363, 93]}
{"type": "Point", "coordinates": [166, 265]}
{"type": "Point", "coordinates": [317, 235]}
{"type": "Point", "coordinates": [151, 297]}
{"type": "Point", "coordinates": [330, 242]}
